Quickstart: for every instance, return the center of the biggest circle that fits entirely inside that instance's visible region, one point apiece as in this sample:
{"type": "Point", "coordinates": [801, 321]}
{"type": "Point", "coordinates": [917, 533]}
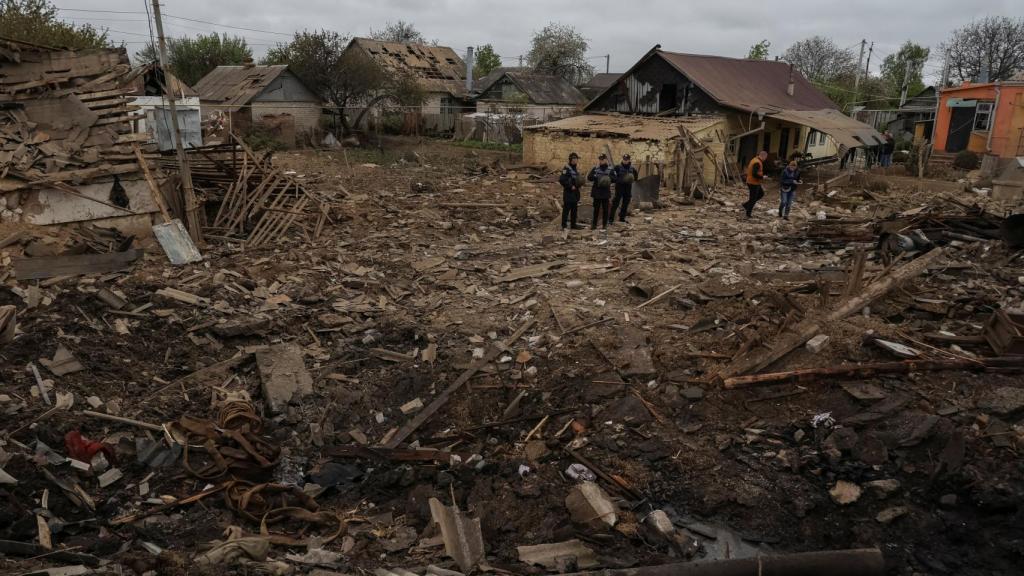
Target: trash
{"type": "Point", "coordinates": [580, 473]}
{"type": "Point", "coordinates": [823, 420]}
{"type": "Point", "coordinates": [81, 448]}
{"type": "Point", "coordinates": [845, 493]}
{"type": "Point", "coordinates": [231, 552]}
{"type": "Point", "coordinates": [109, 477]}
{"type": "Point", "coordinates": [411, 406]}
{"type": "Point", "coordinates": [463, 540]}
{"type": "Point", "coordinates": [283, 376]}
{"type": "Point", "coordinates": [62, 362]}
{"type": "Point", "coordinates": [590, 505]}
{"type": "Point", "coordinates": [563, 557]}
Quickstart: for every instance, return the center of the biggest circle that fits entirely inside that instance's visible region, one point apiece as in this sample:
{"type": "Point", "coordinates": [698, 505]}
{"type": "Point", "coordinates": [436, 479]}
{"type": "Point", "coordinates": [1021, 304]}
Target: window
{"type": "Point", "coordinates": [821, 139]}
{"type": "Point", "coordinates": [983, 116]}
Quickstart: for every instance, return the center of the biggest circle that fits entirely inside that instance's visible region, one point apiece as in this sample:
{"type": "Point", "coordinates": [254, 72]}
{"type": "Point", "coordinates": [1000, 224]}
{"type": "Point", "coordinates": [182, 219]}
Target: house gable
{"type": "Point", "coordinates": [286, 88]}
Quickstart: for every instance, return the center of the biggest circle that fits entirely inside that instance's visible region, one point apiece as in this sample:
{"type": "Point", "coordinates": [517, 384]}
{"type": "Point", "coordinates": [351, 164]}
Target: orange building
{"type": "Point", "coordinates": [983, 118]}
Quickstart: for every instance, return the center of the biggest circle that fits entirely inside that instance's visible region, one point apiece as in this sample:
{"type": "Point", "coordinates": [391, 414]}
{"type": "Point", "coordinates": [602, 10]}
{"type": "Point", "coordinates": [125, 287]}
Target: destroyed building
{"type": "Point", "coordinates": [238, 98]}
{"type": "Point", "coordinates": [68, 119]}
{"type": "Point", "coordinates": [535, 97]}
{"type": "Point", "coordinates": [440, 72]}
{"type": "Point", "coordinates": [767, 105]}
{"type": "Point", "coordinates": [149, 83]}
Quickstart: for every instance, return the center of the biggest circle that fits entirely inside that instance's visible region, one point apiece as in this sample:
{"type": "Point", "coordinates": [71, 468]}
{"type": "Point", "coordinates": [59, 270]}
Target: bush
{"type": "Point", "coordinates": [966, 160]}
{"type": "Point", "coordinates": [259, 137]}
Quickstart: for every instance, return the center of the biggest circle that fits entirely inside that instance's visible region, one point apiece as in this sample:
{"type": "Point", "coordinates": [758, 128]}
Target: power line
{"type": "Point", "coordinates": [99, 11]}
{"type": "Point", "coordinates": [227, 26]}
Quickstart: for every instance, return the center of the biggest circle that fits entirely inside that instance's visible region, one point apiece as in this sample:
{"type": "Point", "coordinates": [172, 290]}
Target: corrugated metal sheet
{"type": "Point", "coordinates": [439, 68]}
{"type": "Point", "coordinates": [235, 86]}
{"type": "Point", "coordinates": [748, 84]}
{"type": "Point", "coordinates": [845, 130]}
{"type": "Point", "coordinates": [637, 128]}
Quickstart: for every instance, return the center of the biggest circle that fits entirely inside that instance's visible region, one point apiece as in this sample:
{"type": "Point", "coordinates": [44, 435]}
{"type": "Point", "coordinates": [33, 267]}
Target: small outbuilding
{"type": "Point", "coordinates": [537, 97]}
{"type": "Point", "coordinates": [147, 83]}
{"type": "Point", "coordinates": [239, 97]}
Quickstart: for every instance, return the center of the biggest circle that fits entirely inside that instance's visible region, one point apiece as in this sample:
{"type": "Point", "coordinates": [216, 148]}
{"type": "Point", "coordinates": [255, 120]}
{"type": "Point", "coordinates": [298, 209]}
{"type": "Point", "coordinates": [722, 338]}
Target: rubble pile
{"type": "Point", "coordinates": [441, 382]}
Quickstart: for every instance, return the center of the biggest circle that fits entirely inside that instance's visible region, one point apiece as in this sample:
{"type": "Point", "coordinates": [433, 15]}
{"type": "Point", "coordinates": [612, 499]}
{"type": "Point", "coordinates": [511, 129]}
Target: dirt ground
{"type": "Point", "coordinates": [408, 269]}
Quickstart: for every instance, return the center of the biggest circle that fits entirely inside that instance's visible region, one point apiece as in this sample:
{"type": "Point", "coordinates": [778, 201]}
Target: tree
{"type": "Point", "coordinates": [759, 51]}
{"type": "Point", "coordinates": [346, 78]}
{"type": "Point", "coordinates": [400, 31]}
{"type": "Point", "coordinates": [192, 58]}
{"type": "Point", "coordinates": [486, 60]}
{"type": "Point", "coordinates": [894, 70]}
{"type": "Point", "coordinates": [821, 60]}
{"type": "Point", "coordinates": [560, 50]}
{"type": "Point", "coordinates": [36, 21]}
{"type": "Point", "coordinates": [994, 44]}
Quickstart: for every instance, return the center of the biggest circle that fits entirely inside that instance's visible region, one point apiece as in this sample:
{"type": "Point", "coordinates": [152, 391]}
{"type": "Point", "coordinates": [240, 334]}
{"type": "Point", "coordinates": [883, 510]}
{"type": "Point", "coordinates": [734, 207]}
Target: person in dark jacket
{"type": "Point", "coordinates": [887, 150]}
{"type": "Point", "coordinates": [625, 175]}
{"type": "Point", "coordinates": [602, 176]}
{"type": "Point", "coordinates": [788, 182]}
{"type": "Point", "coordinates": [570, 181]}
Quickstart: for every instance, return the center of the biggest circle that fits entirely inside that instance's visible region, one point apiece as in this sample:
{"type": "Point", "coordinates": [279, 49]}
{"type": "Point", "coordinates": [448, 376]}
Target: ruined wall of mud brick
{"type": "Point", "coordinates": [306, 114]}
{"type": "Point", "coordinates": [552, 149]}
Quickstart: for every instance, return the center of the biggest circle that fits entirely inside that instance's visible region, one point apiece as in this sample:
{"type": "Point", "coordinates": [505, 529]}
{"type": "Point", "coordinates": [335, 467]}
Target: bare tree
{"type": "Point", "coordinates": [400, 31]}
{"type": "Point", "coordinates": [560, 50]}
{"type": "Point", "coordinates": [994, 44]}
{"type": "Point", "coordinates": [821, 60]}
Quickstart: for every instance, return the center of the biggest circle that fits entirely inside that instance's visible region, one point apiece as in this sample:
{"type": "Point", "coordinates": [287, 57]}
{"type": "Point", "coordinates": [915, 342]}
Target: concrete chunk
{"type": "Point", "coordinates": [817, 344]}
{"type": "Point", "coordinates": [284, 376]}
{"type": "Point", "coordinates": [590, 505]}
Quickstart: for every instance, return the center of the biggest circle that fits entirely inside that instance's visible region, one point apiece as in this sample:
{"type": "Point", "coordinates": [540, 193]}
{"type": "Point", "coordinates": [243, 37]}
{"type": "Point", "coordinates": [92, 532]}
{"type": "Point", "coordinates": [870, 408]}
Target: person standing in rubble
{"type": "Point", "coordinates": [787, 188]}
{"type": "Point", "coordinates": [625, 175]}
{"type": "Point", "coordinates": [602, 176]}
{"type": "Point", "coordinates": [888, 148]}
{"type": "Point", "coordinates": [570, 181]}
{"type": "Point", "coordinates": [755, 178]}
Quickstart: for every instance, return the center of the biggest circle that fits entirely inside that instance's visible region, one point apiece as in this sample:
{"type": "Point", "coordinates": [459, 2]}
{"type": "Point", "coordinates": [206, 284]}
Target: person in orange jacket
{"type": "Point", "coordinates": [755, 177]}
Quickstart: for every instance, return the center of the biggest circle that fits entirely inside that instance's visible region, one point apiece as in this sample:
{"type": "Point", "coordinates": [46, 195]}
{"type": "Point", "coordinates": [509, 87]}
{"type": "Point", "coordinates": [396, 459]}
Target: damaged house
{"type": "Point", "coordinates": [766, 105]}
{"type": "Point", "coordinates": [237, 98]}
{"type": "Point", "coordinates": [69, 151]}
{"type": "Point", "coordinates": [535, 96]}
{"type": "Point", "coordinates": [440, 72]}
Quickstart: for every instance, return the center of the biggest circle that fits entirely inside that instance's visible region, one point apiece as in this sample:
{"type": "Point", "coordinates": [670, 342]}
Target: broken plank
{"type": "Point", "coordinates": [83, 264]}
{"type": "Point", "coordinates": [534, 271]}
{"type": "Point", "coordinates": [442, 398]}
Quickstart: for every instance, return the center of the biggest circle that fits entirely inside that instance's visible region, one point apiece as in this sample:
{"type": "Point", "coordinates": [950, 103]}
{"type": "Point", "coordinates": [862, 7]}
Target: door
{"type": "Point", "coordinates": [747, 150]}
{"type": "Point", "coordinates": [783, 143]}
{"type": "Point", "coordinates": [667, 98]}
{"type": "Point", "coordinates": [961, 122]}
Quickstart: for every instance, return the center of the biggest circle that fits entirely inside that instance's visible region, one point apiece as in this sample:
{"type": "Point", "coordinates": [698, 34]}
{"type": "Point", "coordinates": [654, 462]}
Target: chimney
{"type": "Point", "coordinates": [791, 86]}
{"type": "Point", "coordinates": [469, 68]}
{"type": "Point", "coordinates": [248, 63]}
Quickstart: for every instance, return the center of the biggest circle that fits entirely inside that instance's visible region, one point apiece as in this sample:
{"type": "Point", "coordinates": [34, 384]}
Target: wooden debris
{"type": "Point", "coordinates": [818, 375]}
{"type": "Point", "coordinates": [51, 266]}
{"type": "Point", "coordinates": [182, 296]}
{"type": "Point", "coordinates": [534, 271]}
{"type": "Point", "coordinates": [8, 323]}
{"type": "Point", "coordinates": [63, 362]}
{"type": "Point", "coordinates": [555, 556]}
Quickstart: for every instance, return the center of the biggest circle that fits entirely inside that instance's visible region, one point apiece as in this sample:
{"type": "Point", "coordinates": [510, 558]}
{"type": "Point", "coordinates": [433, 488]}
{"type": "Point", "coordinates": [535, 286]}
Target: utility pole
{"type": "Point", "coordinates": [520, 60]}
{"type": "Point", "coordinates": [607, 63]}
{"type": "Point", "coordinates": [860, 60]}
{"type": "Point", "coordinates": [867, 67]}
{"type": "Point", "coordinates": [906, 82]}
{"type": "Point", "coordinates": [191, 205]}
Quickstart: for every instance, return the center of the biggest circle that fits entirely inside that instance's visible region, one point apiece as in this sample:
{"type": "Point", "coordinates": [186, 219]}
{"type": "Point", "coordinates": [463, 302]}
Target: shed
{"type": "Point", "coordinates": [535, 96]}
{"type": "Point", "coordinates": [147, 83]}
{"type": "Point", "coordinates": [651, 141]}
{"type": "Point", "coordinates": [272, 96]}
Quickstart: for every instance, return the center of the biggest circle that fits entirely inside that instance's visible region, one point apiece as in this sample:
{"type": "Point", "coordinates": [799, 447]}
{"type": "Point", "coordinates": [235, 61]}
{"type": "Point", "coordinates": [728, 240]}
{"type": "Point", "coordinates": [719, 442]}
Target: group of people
{"type": "Point", "coordinates": [622, 176]}
{"type": "Point", "coordinates": [602, 177]}
{"type": "Point", "coordinates": [789, 179]}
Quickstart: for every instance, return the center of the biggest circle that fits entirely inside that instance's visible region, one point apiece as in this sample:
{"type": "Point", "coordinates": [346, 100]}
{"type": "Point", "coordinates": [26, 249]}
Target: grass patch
{"type": "Point", "coordinates": [478, 145]}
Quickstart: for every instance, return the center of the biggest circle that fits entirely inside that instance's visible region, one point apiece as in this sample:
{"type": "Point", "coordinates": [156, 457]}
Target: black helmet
{"type": "Point", "coordinates": [574, 156]}
{"type": "Point", "coordinates": [626, 157]}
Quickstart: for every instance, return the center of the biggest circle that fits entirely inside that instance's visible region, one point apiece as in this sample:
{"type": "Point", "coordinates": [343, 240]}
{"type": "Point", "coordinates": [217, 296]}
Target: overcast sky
{"type": "Point", "coordinates": [624, 29]}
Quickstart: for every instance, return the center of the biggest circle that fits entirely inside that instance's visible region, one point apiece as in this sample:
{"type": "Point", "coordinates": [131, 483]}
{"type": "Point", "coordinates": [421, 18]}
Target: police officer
{"type": "Point", "coordinates": [602, 176]}
{"type": "Point", "coordinates": [625, 175]}
{"type": "Point", "coordinates": [570, 180]}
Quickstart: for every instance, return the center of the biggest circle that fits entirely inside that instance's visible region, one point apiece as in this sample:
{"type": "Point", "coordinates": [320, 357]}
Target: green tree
{"type": "Point", "coordinates": [895, 67]}
{"type": "Point", "coordinates": [759, 51]}
{"type": "Point", "coordinates": [486, 59]}
{"type": "Point", "coordinates": [560, 50]}
{"type": "Point", "coordinates": [348, 78]}
{"type": "Point", "coordinates": [994, 44]}
{"type": "Point", "coordinates": [192, 58]}
{"type": "Point", "coordinates": [36, 21]}
{"type": "Point", "coordinates": [400, 31]}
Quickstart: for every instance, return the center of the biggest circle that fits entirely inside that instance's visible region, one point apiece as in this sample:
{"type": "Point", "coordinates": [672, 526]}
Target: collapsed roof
{"type": "Point", "coordinates": [235, 86]}
{"type": "Point", "coordinates": [539, 88]}
{"type": "Point", "coordinates": [438, 68]}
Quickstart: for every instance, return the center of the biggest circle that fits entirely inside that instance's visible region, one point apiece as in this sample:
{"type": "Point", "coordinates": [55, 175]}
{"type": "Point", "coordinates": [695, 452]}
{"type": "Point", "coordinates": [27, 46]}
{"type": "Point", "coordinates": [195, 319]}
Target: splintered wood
{"type": "Point", "coordinates": [258, 202]}
{"type": "Point", "coordinates": [67, 115]}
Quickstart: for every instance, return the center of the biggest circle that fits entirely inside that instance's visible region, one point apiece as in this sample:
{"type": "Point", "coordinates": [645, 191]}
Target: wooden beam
{"type": "Point", "coordinates": [51, 266]}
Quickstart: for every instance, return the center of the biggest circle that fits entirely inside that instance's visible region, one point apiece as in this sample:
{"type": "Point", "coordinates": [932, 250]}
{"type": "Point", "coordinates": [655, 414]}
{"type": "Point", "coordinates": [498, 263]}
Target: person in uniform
{"type": "Point", "coordinates": [755, 177]}
{"type": "Point", "coordinates": [602, 176]}
{"type": "Point", "coordinates": [570, 181]}
{"type": "Point", "coordinates": [625, 175]}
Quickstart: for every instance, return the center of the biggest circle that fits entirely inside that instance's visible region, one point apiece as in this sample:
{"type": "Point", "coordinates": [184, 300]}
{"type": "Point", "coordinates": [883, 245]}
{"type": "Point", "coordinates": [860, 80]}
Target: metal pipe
{"type": "Point", "coordinates": [858, 562]}
{"type": "Point", "coordinates": [992, 120]}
